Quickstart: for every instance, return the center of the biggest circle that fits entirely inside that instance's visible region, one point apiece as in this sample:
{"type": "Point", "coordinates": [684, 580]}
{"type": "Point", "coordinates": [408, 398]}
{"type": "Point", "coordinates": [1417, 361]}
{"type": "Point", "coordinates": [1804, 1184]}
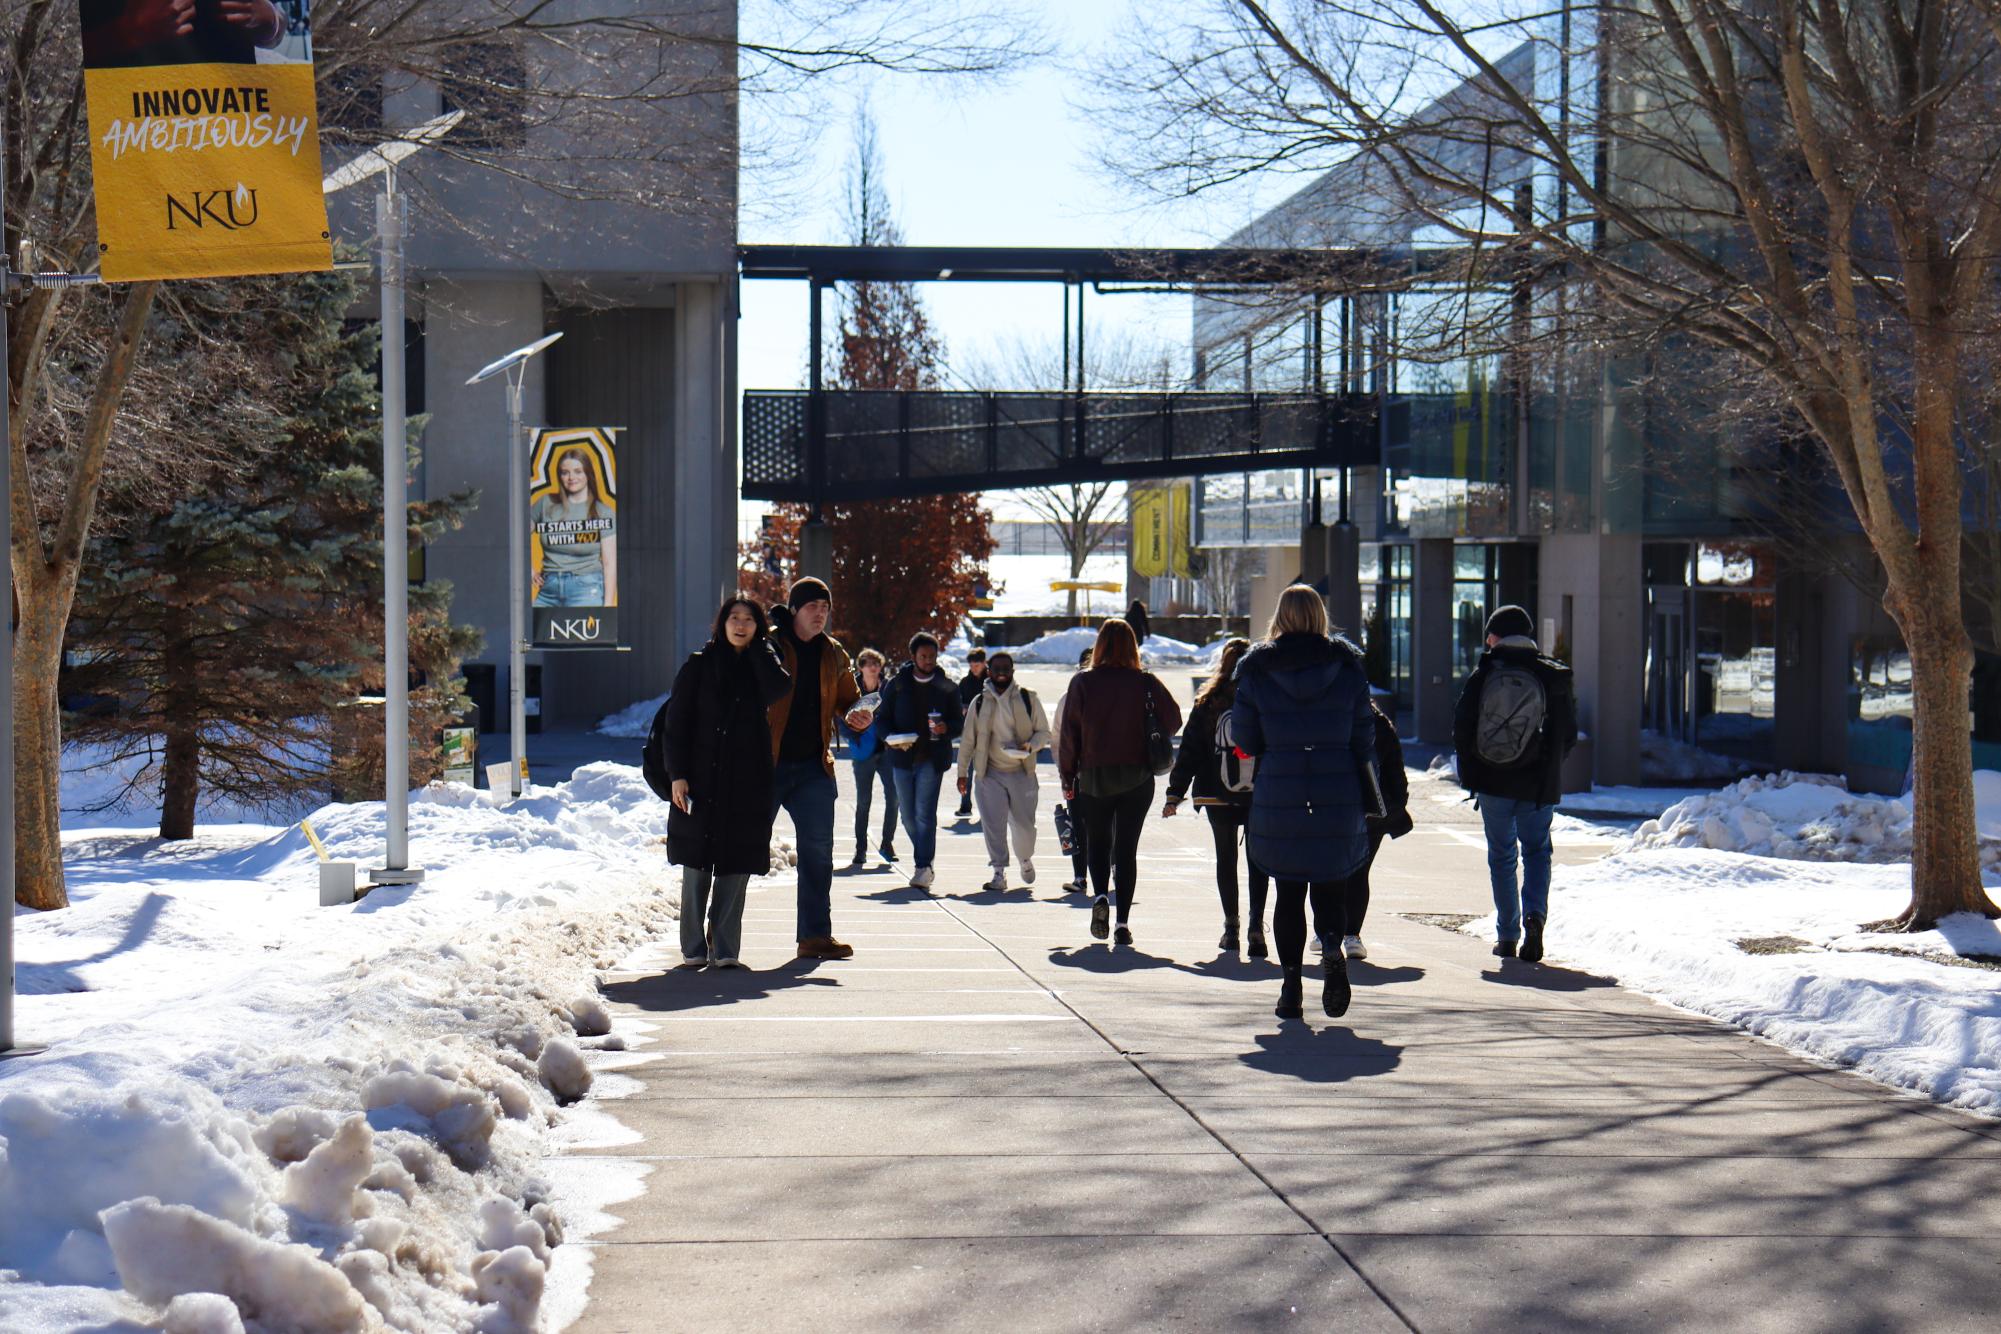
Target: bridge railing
{"type": "Point", "coordinates": [873, 444]}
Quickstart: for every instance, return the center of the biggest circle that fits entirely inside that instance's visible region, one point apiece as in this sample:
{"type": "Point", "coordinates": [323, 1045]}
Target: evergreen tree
{"type": "Point", "coordinates": [226, 634]}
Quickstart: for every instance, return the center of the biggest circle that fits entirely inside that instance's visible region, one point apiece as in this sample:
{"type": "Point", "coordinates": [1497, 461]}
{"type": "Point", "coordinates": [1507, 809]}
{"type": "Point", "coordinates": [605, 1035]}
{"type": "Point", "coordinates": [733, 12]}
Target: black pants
{"type": "Point", "coordinates": [1080, 846]}
{"type": "Point", "coordinates": [1113, 827]}
{"type": "Point", "coordinates": [1288, 920]}
{"type": "Point", "coordinates": [1226, 826]}
{"type": "Point", "coordinates": [1355, 890]}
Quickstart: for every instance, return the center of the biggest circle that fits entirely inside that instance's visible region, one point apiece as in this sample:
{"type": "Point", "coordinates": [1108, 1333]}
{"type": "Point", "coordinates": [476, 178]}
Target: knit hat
{"type": "Point", "coordinates": [808, 590]}
{"type": "Point", "coordinates": [1511, 620]}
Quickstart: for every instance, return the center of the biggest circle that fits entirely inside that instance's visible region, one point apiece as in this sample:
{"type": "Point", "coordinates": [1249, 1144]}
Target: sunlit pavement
{"type": "Point", "coordinates": [987, 1120]}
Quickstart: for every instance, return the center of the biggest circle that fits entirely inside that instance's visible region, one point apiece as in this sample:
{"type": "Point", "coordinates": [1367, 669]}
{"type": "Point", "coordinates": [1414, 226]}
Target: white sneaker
{"type": "Point", "coordinates": [999, 883]}
{"type": "Point", "coordinates": [1353, 947]}
{"type": "Point", "coordinates": [1027, 871]}
{"type": "Point", "coordinates": [1315, 945]}
{"type": "Point", "coordinates": [922, 880]}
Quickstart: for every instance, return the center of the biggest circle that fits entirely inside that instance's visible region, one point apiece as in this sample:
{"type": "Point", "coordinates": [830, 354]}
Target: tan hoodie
{"type": "Point", "coordinates": [1013, 719]}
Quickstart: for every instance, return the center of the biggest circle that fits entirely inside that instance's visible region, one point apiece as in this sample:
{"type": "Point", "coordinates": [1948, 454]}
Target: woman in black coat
{"type": "Point", "coordinates": [1199, 764]}
{"type": "Point", "coordinates": [718, 755]}
{"type": "Point", "coordinates": [1392, 822]}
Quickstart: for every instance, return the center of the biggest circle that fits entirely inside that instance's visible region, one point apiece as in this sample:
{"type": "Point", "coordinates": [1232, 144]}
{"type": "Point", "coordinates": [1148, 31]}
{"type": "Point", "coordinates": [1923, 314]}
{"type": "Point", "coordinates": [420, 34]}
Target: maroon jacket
{"type": "Point", "coordinates": [1104, 720]}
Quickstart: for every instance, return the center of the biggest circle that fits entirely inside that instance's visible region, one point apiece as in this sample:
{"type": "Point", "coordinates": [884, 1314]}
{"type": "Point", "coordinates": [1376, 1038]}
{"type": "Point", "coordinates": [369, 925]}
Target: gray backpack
{"type": "Point", "coordinates": [1513, 709]}
{"type": "Point", "coordinates": [1234, 773]}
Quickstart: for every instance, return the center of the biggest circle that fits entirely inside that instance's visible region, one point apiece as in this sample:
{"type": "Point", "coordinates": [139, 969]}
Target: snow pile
{"type": "Point", "coordinates": [1808, 817]}
{"type": "Point", "coordinates": [259, 1113]}
{"type": "Point", "coordinates": [1775, 947]}
{"type": "Point", "coordinates": [1062, 648]}
{"type": "Point", "coordinates": [631, 722]}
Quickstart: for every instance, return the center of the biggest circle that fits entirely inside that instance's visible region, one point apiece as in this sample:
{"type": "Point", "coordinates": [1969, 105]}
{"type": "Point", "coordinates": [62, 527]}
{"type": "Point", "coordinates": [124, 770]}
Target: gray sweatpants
{"type": "Point", "coordinates": [712, 914]}
{"type": "Point", "coordinates": [1007, 801]}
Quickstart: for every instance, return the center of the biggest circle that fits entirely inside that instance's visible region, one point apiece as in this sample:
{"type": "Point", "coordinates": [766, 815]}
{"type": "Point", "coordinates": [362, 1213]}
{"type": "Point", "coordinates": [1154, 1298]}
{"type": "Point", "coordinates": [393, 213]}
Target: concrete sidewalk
{"type": "Point", "coordinates": [988, 1120]}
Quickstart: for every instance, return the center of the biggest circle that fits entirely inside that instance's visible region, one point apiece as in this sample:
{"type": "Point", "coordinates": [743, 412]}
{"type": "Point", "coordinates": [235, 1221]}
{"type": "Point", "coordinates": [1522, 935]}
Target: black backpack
{"type": "Point", "coordinates": [653, 757]}
{"type": "Point", "coordinates": [1513, 710]}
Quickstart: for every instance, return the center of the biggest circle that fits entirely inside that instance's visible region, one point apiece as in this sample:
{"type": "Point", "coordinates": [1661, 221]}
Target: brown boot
{"type": "Point", "coordinates": [825, 947]}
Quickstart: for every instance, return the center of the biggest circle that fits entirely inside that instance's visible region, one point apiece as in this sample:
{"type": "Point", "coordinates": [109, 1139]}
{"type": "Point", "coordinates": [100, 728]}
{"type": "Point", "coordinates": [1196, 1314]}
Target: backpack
{"type": "Point", "coordinates": [1233, 771]}
{"type": "Point", "coordinates": [653, 758]}
{"type": "Point", "coordinates": [1513, 709]}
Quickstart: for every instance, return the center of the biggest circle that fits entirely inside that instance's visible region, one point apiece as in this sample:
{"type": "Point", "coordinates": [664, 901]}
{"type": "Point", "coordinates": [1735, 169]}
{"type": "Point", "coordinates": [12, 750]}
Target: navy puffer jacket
{"type": "Point", "coordinates": [1303, 711]}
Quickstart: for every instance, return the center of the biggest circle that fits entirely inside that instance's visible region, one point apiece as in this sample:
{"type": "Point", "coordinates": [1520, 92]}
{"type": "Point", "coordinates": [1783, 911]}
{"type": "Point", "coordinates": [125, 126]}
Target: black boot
{"type": "Point", "coordinates": [1257, 939]}
{"type": "Point", "coordinates": [1532, 940]}
{"type": "Point", "coordinates": [1334, 989]}
{"type": "Point", "coordinates": [1290, 995]}
{"type": "Point", "coordinates": [1504, 949]}
{"type": "Point", "coordinates": [1229, 940]}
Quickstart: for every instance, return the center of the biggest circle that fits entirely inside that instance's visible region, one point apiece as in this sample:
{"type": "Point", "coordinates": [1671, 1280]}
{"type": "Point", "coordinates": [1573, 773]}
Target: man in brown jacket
{"type": "Point", "coordinates": [802, 726]}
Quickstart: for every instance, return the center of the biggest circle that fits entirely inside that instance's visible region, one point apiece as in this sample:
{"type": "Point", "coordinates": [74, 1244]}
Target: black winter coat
{"type": "Point", "coordinates": [1303, 712]}
{"type": "Point", "coordinates": [1542, 781]}
{"type": "Point", "coordinates": [719, 739]}
{"type": "Point", "coordinates": [1396, 821]}
{"type": "Point", "coordinates": [906, 706]}
{"type": "Point", "coordinates": [1195, 763]}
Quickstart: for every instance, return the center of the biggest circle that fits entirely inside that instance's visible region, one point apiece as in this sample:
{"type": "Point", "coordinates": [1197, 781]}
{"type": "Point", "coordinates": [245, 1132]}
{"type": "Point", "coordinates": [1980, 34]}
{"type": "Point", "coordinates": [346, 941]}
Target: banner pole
{"type": "Point", "coordinates": [517, 581]}
{"type": "Point", "coordinates": [395, 547]}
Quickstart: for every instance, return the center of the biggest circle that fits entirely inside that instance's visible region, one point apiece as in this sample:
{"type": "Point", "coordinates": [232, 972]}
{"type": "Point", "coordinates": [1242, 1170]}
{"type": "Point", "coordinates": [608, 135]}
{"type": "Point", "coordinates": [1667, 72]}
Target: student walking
{"type": "Point", "coordinates": [1221, 779]}
{"type": "Point", "coordinates": [1005, 730]}
{"type": "Point", "coordinates": [802, 725]}
{"type": "Point", "coordinates": [1392, 822]}
{"type": "Point", "coordinates": [871, 762]}
{"type": "Point", "coordinates": [1516, 720]}
{"type": "Point", "coordinates": [969, 690]}
{"type": "Point", "coordinates": [1302, 712]}
{"type": "Point", "coordinates": [1118, 727]}
{"type": "Point", "coordinates": [1068, 815]}
{"type": "Point", "coordinates": [921, 703]}
{"type": "Point", "coordinates": [717, 751]}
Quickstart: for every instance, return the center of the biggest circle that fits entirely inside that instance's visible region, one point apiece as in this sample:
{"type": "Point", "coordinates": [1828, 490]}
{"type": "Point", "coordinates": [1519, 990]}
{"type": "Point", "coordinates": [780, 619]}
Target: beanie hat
{"type": "Point", "coordinates": [1511, 620]}
{"type": "Point", "coordinates": [808, 590]}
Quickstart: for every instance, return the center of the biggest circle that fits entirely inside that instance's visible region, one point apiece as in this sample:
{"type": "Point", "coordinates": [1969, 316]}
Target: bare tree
{"type": "Point", "coordinates": [1811, 190]}
{"type": "Point", "coordinates": [608, 110]}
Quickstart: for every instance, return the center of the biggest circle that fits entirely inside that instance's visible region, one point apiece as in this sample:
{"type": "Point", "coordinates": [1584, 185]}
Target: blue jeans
{"type": "Point", "coordinates": [917, 802]}
{"type": "Point", "coordinates": [571, 590]}
{"type": "Point", "coordinates": [804, 790]}
{"type": "Point", "coordinates": [1510, 823]}
{"type": "Point", "coordinates": [867, 772]}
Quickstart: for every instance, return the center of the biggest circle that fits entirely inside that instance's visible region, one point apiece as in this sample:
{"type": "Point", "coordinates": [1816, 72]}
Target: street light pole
{"type": "Point", "coordinates": [515, 366]}
{"type": "Point", "coordinates": [396, 869]}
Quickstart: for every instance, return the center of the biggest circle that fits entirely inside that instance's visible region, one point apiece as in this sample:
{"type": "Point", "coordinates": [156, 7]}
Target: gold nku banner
{"type": "Point", "coordinates": [204, 138]}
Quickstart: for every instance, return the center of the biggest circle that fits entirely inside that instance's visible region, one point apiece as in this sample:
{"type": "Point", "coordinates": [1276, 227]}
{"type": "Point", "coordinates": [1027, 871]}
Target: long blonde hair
{"type": "Point", "coordinates": [1300, 611]}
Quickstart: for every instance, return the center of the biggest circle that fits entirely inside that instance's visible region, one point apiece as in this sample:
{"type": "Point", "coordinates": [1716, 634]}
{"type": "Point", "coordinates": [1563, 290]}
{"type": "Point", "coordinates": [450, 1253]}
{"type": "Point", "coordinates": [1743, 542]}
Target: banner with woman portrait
{"type": "Point", "coordinates": [204, 138]}
{"type": "Point", "coordinates": [573, 537]}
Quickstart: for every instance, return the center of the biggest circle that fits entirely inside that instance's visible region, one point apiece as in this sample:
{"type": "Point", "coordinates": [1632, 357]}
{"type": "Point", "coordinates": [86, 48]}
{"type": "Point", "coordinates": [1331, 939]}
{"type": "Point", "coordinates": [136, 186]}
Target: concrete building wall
{"type": "Point", "coordinates": [1591, 595]}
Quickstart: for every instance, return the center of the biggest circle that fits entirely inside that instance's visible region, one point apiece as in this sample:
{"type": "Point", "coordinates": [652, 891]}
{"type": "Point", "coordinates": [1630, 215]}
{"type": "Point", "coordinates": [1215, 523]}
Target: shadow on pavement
{"type": "Point", "coordinates": [904, 893]}
{"type": "Point", "coordinates": [1365, 974]}
{"type": "Point", "coordinates": [678, 990]}
{"type": "Point", "coordinates": [1099, 958]}
{"type": "Point", "coordinates": [1324, 1056]}
{"type": "Point", "coordinates": [1015, 894]}
{"type": "Point", "coordinates": [1543, 977]}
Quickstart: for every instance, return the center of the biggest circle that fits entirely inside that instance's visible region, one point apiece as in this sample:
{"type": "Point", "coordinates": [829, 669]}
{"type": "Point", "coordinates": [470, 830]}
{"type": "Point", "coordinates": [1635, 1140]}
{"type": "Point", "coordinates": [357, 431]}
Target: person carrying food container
{"type": "Point", "coordinates": [920, 709]}
{"type": "Point", "coordinates": [1005, 730]}
{"type": "Point", "coordinates": [871, 759]}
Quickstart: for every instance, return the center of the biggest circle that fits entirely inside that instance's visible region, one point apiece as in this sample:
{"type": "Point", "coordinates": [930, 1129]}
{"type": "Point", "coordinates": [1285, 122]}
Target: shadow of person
{"type": "Point", "coordinates": [904, 893]}
{"type": "Point", "coordinates": [1365, 974]}
{"type": "Point", "coordinates": [1015, 894]}
{"type": "Point", "coordinates": [677, 989]}
{"type": "Point", "coordinates": [1332, 1055]}
{"type": "Point", "coordinates": [1543, 977]}
{"type": "Point", "coordinates": [1099, 957]}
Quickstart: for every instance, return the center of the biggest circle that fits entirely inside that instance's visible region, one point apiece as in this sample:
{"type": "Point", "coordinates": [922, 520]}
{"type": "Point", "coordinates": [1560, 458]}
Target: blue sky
{"type": "Point", "coordinates": [992, 163]}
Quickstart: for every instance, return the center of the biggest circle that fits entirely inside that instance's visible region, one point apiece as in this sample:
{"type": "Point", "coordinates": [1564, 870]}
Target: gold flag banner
{"type": "Point", "coordinates": [204, 138]}
{"type": "Point", "coordinates": [1161, 530]}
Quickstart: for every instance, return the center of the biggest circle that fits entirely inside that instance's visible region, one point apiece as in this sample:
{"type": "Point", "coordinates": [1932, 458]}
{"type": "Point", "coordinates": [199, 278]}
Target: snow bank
{"type": "Point", "coordinates": [1775, 947]}
{"type": "Point", "coordinates": [631, 722]}
{"type": "Point", "coordinates": [1809, 817]}
{"type": "Point", "coordinates": [259, 1113]}
{"type": "Point", "coordinates": [1062, 648]}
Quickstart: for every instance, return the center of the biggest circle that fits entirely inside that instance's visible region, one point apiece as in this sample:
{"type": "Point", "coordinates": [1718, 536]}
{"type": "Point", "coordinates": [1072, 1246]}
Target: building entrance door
{"type": "Point", "coordinates": [1667, 702]}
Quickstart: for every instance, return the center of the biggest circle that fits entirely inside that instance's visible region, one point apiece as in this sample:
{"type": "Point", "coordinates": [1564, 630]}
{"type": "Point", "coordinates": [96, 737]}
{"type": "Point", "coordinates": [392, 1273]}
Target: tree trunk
{"type": "Point", "coordinates": [180, 784]}
{"type": "Point", "coordinates": [38, 749]}
{"type": "Point", "coordinates": [1945, 856]}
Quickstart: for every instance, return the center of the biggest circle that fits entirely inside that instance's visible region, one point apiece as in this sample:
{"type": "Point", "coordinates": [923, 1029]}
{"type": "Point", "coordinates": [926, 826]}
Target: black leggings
{"type": "Point", "coordinates": [1226, 825]}
{"type": "Point", "coordinates": [1288, 920]}
{"type": "Point", "coordinates": [1080, 846]}
{"type": "Point", "coordinates": [1355, 889]}
{"type": "Point", "coordinates": [1112, 826]}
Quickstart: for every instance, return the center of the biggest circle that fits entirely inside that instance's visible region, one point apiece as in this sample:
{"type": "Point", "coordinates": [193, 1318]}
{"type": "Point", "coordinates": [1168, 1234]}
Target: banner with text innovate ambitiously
{"type": "Point", "coordinates": [204, 138]}
{"type": "Point", "coordinates": [573, 537]}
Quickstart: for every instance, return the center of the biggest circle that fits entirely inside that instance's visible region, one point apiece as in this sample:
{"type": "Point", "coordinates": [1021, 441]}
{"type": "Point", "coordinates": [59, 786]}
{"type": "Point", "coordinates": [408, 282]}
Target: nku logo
{"type": "Point", "coordinates": [231, 210]}
{"type": "Point", "coordinates": [582, 629]}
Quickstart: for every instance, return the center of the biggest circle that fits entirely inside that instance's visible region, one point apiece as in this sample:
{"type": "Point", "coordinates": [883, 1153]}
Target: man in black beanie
{"type": "Point", "coordinates": [1516, 720]}
{"type": "Point", "coordinates": [802, 726]}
